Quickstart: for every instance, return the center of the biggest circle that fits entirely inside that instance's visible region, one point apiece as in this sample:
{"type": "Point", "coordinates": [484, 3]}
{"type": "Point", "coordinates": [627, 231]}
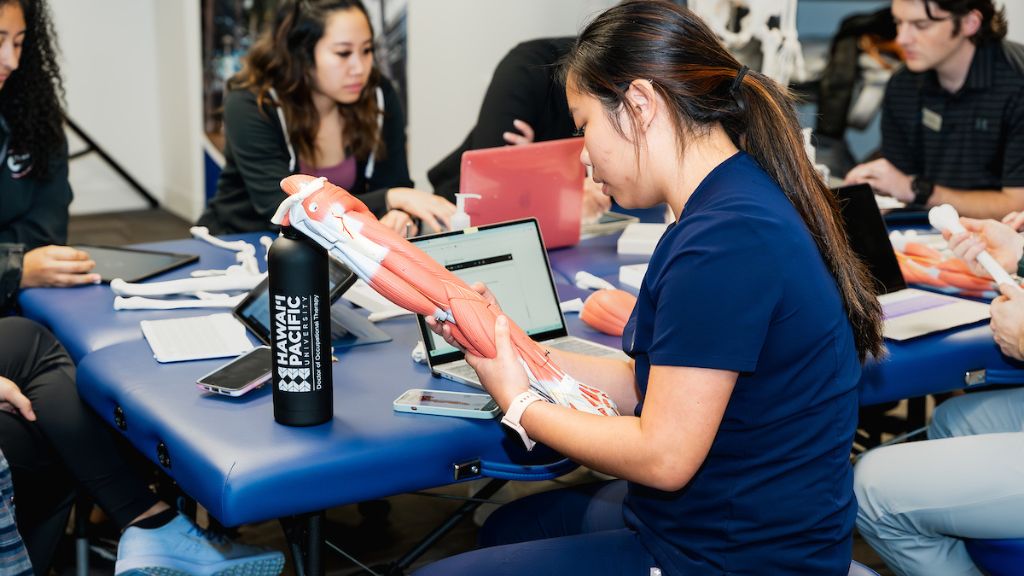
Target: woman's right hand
{"type": "Point", "coordinates": [1000, 240]}
{"type": "Point", "coordinates": [13, 401]}
{"type": "Point", "coordinates": [434, 211]}
{"type": "Point", "coordinates": [57, 266]}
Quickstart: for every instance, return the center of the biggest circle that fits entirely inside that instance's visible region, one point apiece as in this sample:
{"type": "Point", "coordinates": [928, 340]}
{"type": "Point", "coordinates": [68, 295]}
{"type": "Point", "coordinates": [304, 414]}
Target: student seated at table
{"type": "Point", "coordinates": [524, 103]}
{"type": "Point", "coordinates": [919, 500]}
{"type": "Point", "coordinates": [740, 402]}
{"type": "Point", "coordinates": [953, 118]}
{"type": "Point", "coordinates": [34, 189]}
{"type": "Point", "coordinates": [55, 443]}
{"type": "Point", "coordinates": [310, 100]}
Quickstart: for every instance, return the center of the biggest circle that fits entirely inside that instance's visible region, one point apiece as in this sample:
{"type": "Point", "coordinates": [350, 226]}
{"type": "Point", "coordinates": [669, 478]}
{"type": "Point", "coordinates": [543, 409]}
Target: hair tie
{"type": "Point", "coordinates": [739, 80]}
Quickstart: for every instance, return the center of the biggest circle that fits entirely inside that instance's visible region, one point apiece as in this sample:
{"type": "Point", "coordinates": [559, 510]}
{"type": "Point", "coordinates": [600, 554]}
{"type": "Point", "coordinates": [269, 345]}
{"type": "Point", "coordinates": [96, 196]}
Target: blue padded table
{"type": "Point", "coordinates": [932, 364]}
{"type": "Point", "coordinates": [928, 365]}
{"type": "Point", "coordinates": [234, 459]}
{"type": "Point", "coordinates": [598, 255]}
{"type": "Point", "coordinates": [83, 318]}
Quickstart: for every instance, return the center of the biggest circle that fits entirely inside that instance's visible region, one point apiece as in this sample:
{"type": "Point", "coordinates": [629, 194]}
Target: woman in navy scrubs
{"type": "Point", "coordinates": [740, 401]}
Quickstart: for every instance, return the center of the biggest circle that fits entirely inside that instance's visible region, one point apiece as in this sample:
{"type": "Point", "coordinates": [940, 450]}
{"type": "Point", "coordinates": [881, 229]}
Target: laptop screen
{"type": "Point", "coordinates": [510, 259]}
{"type": "Point", "coordinates": [869, 237]}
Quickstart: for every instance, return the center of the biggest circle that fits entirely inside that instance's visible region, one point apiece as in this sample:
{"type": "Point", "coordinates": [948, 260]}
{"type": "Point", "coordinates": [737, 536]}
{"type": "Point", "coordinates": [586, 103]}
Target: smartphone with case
{"type": "Point", "coordinates": [246, 372]}
{"type": "Point", "coordinates": [447, 403]}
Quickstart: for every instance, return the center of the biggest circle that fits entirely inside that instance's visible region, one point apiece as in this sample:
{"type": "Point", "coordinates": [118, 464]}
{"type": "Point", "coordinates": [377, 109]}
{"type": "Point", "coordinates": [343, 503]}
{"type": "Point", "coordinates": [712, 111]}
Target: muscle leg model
{"type": "Point", "coordinates": [408, 277]}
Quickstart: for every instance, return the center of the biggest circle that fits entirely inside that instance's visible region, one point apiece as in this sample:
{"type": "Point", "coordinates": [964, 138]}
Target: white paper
{"type": "Point", "coordinates": [365, 297]}
{"type": "Point", "coordinates": [640, 238]}
{"type": "Point", "coordinates": [195, 338]}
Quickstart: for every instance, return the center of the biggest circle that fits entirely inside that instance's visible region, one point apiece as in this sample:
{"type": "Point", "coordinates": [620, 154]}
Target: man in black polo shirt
{"type": "Point", "coordinates": [953, 118]}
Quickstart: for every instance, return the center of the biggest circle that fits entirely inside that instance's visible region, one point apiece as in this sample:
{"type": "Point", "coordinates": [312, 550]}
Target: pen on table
{"type": "Point", "coordinates": [408, 226]}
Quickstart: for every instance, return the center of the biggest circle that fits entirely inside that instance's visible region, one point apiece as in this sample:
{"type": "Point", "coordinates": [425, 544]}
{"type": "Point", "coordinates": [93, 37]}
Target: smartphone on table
{"type": "Point", "coordinates": [246, 372]}
{"type": "Point", "coordinates": [447, 403]}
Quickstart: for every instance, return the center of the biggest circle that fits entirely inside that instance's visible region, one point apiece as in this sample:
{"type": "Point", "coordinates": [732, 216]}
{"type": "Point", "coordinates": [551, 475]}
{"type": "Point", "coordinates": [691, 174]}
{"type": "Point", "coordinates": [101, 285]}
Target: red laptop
{"type": "Point", "coordinates": [542, 180]}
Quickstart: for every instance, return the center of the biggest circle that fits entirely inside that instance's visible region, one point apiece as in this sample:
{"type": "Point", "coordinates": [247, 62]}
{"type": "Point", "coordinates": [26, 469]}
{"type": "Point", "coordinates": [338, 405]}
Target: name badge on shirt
{"type": "Point", "coordinates": [931, 120]}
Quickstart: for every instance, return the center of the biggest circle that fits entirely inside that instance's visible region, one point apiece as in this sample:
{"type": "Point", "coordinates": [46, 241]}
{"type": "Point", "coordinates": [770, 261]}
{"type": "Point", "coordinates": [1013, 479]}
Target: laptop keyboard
{"type": "Point", "coordinates": [462, 370]}
{"type": "Point", "coordinates": [581, 346]}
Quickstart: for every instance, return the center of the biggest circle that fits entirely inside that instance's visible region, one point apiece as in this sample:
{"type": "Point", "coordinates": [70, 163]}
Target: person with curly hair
{"type": "Point", "coordinates": [310, 100]}
{"type": "Point", "coordinates": [53, 443]}
{"type": "Point", "coordinates": [34, 189]}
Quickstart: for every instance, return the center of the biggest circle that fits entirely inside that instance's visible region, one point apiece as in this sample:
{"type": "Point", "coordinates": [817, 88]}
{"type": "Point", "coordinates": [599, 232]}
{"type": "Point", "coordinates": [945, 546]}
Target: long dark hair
{"type": "Point", "coordinates": [283, 59]}
{"type": "Point", "coordinates": [993, 20]}
{"type": "Point", "coordinates": [31, 100]}
{"type": "Point", "coordinates": [690, 69]}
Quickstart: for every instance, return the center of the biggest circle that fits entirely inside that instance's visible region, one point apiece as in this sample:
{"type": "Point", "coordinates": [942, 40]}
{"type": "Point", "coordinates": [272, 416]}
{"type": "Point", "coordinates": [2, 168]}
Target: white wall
{"type": "Point", "coordinates": [132, 75]}
{"type": "Point", "coordinates": [1015, 19]}
{"type": "Point", "coordinates": [133, 79]}
{"type": "Point", "coordinates": [454, 46]}
{"type": "Point", "coordinates": [179, 59]}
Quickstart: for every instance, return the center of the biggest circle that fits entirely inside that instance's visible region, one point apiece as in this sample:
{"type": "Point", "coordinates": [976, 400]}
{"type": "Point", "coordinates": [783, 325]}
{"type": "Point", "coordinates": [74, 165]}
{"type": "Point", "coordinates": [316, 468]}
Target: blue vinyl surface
{"type": "Point", "coordinates": [598, 255]}
{"type": "Point", "coordinates": [928, 365]}
{"type": "Point", "coordinates": [83, 318]}
{"type": "Point", "coordinates": [234, 459]}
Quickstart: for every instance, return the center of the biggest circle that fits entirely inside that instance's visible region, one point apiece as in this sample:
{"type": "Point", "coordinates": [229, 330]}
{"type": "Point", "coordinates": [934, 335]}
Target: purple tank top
{"type": "Point", "coordinates": [343, 174]}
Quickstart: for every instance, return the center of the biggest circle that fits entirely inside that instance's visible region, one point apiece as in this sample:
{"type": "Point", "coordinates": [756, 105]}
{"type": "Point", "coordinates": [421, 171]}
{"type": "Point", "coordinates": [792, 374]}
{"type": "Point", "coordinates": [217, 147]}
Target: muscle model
{"type": "Point", "coordinates": [408, 277]}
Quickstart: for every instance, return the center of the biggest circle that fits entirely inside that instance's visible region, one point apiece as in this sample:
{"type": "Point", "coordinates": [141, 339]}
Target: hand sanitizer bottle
{"type": "Point", "coordinates": [460, 219]}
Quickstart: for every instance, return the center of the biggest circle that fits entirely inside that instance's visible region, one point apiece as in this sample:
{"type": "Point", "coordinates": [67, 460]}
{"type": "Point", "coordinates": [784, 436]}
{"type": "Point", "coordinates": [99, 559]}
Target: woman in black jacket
{"type": "Point", "coordinates": [34, 189]}
{"type": "Point", "coordinates": [310, 100]}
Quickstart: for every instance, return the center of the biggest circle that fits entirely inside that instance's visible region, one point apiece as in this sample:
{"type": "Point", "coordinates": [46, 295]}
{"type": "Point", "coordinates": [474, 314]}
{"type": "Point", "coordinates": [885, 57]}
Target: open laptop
{"type": "Point", "coordinates": [543, 180]}
{"type": "Point", "coordinates": [908, 312]}
{"type": "Point", "coordinates": [510, 258]}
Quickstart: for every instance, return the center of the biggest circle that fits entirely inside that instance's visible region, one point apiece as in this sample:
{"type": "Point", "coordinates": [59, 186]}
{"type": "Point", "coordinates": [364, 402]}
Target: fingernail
{"type": "Point", "coordinates": [502, 321]}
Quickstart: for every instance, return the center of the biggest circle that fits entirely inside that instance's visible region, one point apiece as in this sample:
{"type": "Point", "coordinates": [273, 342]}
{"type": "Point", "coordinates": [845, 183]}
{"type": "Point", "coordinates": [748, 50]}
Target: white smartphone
{"type": "Point", "coordinates": [447, 403]}
{"type": "Point", "coordinates": [246, 372]}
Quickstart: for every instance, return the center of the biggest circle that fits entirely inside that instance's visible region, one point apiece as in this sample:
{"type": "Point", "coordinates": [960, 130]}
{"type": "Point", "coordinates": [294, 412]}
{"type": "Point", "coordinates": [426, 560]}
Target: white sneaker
{"type": "Point", "coordinates": [180, 548]}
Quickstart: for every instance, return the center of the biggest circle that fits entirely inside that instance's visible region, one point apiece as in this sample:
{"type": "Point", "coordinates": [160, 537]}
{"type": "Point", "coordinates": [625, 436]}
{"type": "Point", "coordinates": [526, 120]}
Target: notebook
{"type": "Point", "coordinates": [195, 337]}
{"type": "Point", "coordinates": [543, 180]}
{"type": "Point", "coordinates": [908, 312]}
{"type": "Point", "coordinates": [511, 260]}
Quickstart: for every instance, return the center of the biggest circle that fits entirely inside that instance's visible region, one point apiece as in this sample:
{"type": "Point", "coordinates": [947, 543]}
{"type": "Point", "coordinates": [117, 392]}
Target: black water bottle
{"type": "Point", "coordinates": [300, 321]}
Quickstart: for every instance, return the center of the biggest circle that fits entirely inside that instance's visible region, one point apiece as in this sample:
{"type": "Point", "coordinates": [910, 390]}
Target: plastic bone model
{"type": "Point", "coordinates": [923, 259]}
{"type": "Point", "coordinates": [771, 22]}
{"type": "Point", "coordinates": [208, 287]}
{"type": "Point", "coordinates": [405, 275]}
{"type": "Point", "coordinates": [945, 217]}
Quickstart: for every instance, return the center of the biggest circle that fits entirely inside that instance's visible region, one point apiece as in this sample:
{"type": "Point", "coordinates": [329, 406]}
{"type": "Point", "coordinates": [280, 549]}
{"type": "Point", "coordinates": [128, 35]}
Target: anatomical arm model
{"type": "Point", "coordinates": [408, 277]}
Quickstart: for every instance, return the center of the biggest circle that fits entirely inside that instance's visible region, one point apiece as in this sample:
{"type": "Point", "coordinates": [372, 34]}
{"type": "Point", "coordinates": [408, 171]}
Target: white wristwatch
{"type": "Point", "coordinates": [515, 412]}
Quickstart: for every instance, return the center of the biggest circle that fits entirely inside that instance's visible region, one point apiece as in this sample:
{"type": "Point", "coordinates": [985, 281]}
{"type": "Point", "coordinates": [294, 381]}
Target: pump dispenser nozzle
{"type": "Point", "coordinates": [460, 219]}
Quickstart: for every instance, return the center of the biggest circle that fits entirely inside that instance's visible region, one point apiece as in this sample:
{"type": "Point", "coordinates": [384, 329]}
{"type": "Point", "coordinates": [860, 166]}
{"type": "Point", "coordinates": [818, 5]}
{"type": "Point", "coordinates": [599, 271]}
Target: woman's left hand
{"type": "Point", "coordinates": [13, 401]}
{"type": "Point", "coordinates": [502, 376]}
{"type": "Point", "coordinates": [433, 211]}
